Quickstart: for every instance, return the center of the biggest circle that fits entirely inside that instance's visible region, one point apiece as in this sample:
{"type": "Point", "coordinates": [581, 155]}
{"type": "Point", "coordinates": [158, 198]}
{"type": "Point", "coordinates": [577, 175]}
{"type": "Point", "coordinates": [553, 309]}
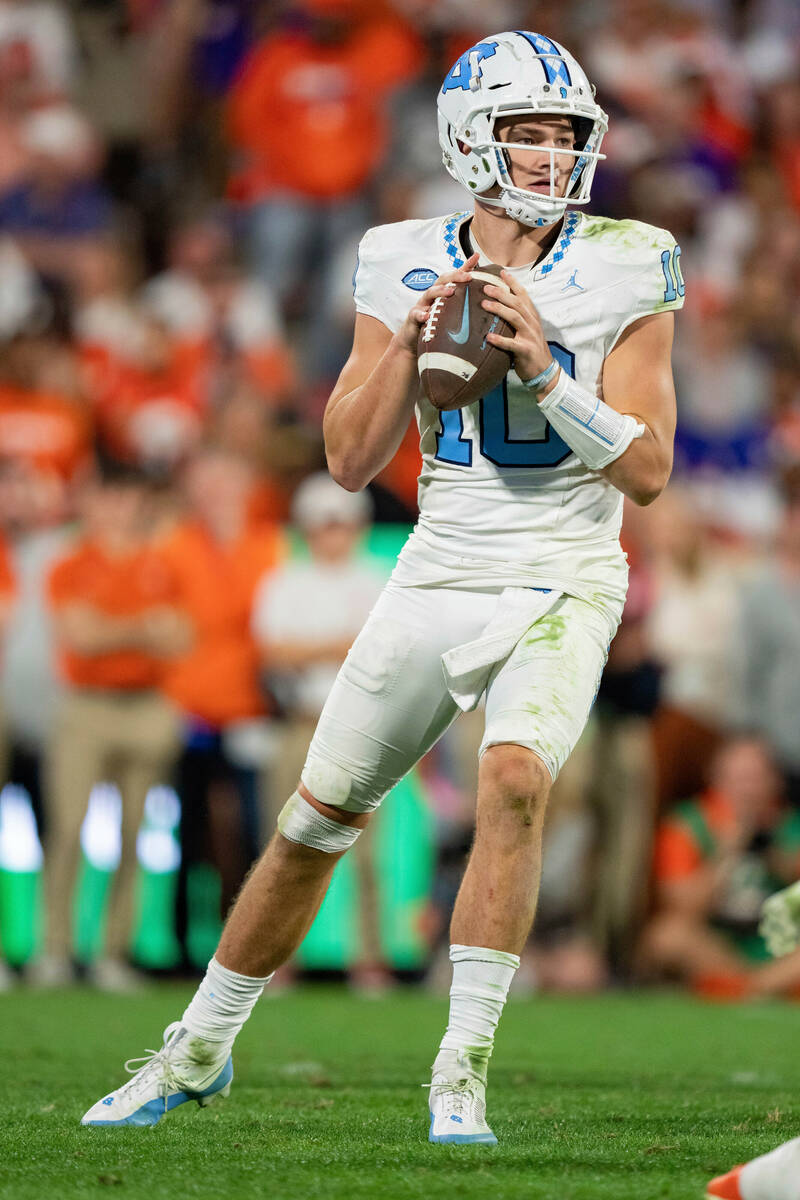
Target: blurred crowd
{"type": "Point", "coordinates": [183, 184]}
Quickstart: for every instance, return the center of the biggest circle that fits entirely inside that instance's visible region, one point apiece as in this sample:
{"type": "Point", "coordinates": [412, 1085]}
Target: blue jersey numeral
{"type": "Point", "coordinates": [453, 446]}
{"type": "Point", "coordinates": [677, 272]}
{"type": "Point", "coordinates": [673, 276]}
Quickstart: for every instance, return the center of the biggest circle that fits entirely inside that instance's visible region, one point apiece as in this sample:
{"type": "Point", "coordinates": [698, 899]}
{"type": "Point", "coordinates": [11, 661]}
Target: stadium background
{"type": "Point", "coordinates": [183, 184]}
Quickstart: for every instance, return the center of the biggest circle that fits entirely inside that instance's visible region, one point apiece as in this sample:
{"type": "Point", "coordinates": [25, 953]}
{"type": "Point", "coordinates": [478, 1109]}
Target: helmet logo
{"type": "Point", "coordinates": [468, 66]}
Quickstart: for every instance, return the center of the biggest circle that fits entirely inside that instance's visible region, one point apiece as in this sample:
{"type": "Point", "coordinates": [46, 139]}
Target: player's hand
{"type": "Point", "coordinates": [780, 921]}
{"type": "Point", "coordinates": [509, 300]}
{"type": "Point", "coordinates": [408, 334]}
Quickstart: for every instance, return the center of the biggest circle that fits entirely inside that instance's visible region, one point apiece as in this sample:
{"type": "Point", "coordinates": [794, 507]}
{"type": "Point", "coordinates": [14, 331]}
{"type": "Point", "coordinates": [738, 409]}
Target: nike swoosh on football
{"type": "Point", "coordinates": [463, 333]}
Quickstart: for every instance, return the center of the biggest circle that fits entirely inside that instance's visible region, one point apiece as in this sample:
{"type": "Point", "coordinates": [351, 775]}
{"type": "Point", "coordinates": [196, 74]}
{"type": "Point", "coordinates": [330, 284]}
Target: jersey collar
{"type": "Point", "coordinates": [450, 231]}
{"type": "Point", "coordinates": [452, 244]}
{"type": "Point", "coordinates": [560, 247]}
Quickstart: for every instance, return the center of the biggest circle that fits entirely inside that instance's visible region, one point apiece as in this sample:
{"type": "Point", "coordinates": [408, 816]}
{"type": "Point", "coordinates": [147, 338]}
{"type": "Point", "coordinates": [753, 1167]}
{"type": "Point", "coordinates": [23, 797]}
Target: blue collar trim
{"type": "Point", "coordinates": [568, 230]}
{"type": "Point", "coordinates": [451, 243]}
{"type": "Point", "coordinates": [570, 227]}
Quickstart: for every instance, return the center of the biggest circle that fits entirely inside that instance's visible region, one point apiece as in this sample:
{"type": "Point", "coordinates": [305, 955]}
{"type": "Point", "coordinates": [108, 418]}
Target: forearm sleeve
{"type": "Point", "coordinates": [597, 433]}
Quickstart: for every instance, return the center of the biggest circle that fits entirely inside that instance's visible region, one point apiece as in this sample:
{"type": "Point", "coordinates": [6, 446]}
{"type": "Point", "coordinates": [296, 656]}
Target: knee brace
{"type": "Point", "coordinates": [300, 822]}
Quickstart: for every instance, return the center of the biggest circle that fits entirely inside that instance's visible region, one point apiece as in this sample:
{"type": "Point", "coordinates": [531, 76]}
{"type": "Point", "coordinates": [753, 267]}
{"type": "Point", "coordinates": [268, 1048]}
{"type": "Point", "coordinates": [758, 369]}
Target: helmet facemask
{"type": "Point", "coordinates": [489, 165]}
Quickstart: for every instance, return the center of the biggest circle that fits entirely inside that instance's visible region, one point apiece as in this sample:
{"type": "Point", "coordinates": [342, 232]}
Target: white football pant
{"type": "Point", "coordinates": [390, 704]}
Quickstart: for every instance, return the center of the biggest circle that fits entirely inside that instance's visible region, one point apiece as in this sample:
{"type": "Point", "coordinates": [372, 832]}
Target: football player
{"type": "Point", "coordinates": [511, 585]}
{"type": "Point", "coordinates": [773, 1176]}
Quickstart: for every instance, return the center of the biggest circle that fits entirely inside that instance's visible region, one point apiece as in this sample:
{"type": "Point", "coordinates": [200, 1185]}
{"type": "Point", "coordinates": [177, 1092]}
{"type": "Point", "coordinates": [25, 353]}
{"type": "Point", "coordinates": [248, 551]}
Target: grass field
{"type": "Point", "coordinates": [605, 1098]}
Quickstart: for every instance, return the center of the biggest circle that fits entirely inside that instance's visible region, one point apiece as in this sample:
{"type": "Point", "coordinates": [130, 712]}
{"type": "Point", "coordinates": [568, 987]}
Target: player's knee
{"type": "Point", "coordinates": [515, 781]}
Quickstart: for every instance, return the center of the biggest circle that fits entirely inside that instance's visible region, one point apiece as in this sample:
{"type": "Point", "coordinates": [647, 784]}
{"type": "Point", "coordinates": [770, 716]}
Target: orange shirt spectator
{"type": "Point", "coordinates": [48, 432]}
{"type": "Point", "coordinates": [307, 114]}
{"type": "Point", "coordinates": [687, 837]}
{"type": "Point", "coordinates": [697, 832]}
{"type": "Point", "coordinates": [148, 412]}
{"type": "Point", "coordinates": [116, 586]}
{"type": "Point", "coordinates": [268, 502]}
{"type": "Point", "coordinates": [205, 298]}
{"type": "Point", "coordinates": [217, 680]}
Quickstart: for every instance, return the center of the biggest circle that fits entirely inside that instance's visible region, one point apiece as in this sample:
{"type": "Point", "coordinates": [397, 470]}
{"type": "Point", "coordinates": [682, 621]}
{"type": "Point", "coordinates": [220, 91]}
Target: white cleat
{"type": "Point", "coordinates": [165, 1079]}
{"type": "Point", "coordinates": [458, 1109]}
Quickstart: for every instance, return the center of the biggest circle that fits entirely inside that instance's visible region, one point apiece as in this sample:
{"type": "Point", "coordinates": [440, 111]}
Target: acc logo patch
{"type": "Point", "coordinates": [420, 279]}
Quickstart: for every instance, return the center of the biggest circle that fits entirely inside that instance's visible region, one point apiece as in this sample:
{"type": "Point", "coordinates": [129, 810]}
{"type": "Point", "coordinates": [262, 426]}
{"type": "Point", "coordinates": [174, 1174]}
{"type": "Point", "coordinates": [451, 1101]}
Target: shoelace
{"type": "Point", "coordinates": [460, 1090]}
{"type": "Point", "coordinates": [156, 1058]}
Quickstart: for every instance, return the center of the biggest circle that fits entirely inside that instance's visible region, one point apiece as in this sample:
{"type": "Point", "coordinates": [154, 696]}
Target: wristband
{"type": "Point", "coordinates": [543, 378]}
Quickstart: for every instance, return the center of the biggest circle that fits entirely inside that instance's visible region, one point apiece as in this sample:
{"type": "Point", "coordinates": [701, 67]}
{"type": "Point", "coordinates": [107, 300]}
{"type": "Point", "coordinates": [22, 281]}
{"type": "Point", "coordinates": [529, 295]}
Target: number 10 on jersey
{"type": "Point", "coordinates": [496, 444]}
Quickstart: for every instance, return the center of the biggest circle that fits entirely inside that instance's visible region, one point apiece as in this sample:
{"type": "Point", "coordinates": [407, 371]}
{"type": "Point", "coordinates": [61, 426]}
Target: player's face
{"type": "Point", "coordinates": [530, 168]}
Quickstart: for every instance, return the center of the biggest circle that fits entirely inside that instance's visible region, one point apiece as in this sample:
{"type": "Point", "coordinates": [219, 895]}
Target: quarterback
{"type": "Point", "coordinates": [511, 586]}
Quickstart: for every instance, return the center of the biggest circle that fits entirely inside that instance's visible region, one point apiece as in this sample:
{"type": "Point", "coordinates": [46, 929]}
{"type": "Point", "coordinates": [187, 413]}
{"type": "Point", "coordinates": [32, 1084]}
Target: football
{"type": "Point", "coordinates": [456, 364]}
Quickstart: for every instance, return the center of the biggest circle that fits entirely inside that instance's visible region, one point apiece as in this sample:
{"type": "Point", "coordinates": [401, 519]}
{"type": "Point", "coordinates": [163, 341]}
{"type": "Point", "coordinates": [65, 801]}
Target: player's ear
{"type": "Point", "coordinates": [463, 147]}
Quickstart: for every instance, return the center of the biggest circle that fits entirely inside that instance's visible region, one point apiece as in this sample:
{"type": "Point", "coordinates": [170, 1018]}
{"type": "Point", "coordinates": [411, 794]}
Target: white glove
{"type": "Point", "coordinates": [780, 921]}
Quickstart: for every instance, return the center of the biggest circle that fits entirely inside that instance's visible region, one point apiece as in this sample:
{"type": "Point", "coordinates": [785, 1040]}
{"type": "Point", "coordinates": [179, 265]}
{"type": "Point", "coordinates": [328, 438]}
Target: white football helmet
{"type": "Point", "coordinates": [514, 74]}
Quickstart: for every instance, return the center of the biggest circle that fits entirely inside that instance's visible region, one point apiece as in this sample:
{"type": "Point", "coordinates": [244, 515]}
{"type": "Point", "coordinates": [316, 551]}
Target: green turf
{"type": "Point", "coordinates": [610, 1097]}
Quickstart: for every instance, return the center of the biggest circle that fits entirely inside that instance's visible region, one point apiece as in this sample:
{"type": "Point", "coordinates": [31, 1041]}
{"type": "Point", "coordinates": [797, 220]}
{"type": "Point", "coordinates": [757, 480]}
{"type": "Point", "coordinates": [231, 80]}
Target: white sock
{"type": "Point", "coordinates": [481, 979]}
{"type": "Point", "coordinates": [221, 1005]}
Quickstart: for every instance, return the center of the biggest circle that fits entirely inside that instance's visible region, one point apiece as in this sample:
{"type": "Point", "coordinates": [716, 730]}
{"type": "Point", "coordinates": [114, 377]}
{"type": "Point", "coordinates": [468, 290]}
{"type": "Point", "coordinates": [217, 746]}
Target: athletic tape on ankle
{"type": "Point", "coordinates": [300, 822]}
{"type": "Point", "coordinates": [459, 953]}
{"type": "Point", "coordinates": [597, 433]}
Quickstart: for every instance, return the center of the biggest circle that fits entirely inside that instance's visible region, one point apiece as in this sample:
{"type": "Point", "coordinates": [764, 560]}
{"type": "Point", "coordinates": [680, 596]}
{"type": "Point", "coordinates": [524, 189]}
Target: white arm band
{"type": "Point", "coordinates": [597, 433]}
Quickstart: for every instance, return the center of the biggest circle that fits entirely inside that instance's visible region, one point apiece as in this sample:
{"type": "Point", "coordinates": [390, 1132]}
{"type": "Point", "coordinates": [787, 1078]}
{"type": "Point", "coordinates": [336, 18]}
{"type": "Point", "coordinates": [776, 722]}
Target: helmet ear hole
{"type": "Point", "coordinates": [582, 128]}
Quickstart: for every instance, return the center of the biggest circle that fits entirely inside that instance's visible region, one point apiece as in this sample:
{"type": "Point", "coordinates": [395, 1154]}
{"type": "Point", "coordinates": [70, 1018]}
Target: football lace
{"type": "Point", "coordinates": [433, 317]}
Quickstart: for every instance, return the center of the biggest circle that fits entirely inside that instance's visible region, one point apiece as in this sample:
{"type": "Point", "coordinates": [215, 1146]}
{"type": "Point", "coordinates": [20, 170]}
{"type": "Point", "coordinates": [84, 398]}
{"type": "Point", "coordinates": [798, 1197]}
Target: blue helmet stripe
{"type": "Point", "coordinates": [555, 69]}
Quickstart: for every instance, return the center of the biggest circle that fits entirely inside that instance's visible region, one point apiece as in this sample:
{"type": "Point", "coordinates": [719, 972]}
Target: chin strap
{"type": "Point", "coordinates": [525, 211]}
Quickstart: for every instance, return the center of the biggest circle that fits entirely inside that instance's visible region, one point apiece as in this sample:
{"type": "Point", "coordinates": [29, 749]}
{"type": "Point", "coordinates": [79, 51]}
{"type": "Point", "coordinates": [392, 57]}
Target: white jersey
{"type": "Point", "coordinates": [503, 500]}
